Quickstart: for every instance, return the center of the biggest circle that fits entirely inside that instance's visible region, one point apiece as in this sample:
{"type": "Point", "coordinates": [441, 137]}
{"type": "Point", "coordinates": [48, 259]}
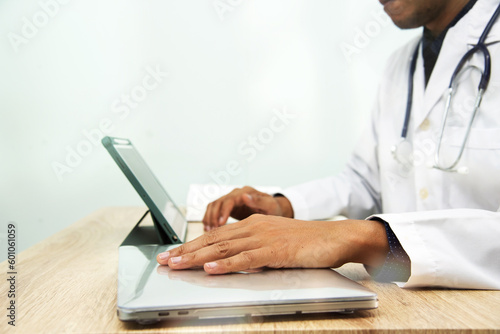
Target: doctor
{"type": "Point", "coordinates": [422, 213]}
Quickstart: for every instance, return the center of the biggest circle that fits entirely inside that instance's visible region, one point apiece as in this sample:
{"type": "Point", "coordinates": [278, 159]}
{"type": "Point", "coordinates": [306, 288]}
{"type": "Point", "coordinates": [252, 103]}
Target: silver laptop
{"type": "Point", "coordinates": [148, 292]}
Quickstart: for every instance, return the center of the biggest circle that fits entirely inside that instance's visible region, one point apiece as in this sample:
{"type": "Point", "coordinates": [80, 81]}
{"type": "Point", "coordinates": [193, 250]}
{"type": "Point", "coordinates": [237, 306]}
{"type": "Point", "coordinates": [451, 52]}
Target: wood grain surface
{"type": "Point", "coordinates": [68, 283]}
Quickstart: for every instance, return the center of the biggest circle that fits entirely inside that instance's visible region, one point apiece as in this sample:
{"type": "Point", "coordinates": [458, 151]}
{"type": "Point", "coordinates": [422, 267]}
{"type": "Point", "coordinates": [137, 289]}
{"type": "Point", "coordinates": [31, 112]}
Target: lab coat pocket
{"type": "Point", "coordinates": [482, 149]}
{"type": "Point", "coordinates": [480, 187]}
{"type": "Point", "coordinates": [481, 139]}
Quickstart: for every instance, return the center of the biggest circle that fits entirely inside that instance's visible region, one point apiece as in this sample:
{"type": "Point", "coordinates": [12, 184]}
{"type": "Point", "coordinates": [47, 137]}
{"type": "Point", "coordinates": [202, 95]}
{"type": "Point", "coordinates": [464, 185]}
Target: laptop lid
{"type": "Point", "coordinates": [170, 224]}
{"type": "Point", "coordinates": [148, 292]}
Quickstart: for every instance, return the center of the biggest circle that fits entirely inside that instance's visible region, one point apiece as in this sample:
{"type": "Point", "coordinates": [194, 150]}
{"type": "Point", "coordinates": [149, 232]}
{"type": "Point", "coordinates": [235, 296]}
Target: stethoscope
{"type": "Point", "coordinates": [480, 47]}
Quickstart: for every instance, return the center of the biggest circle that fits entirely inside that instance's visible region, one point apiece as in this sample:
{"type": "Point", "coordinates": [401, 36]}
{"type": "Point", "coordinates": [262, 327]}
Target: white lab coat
{"type": "Point", "coordinates": [448, 223]}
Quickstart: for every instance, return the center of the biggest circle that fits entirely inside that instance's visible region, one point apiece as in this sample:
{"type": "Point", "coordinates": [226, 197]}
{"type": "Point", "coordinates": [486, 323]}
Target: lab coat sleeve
{"type": "Point", "coordinates": [354, 193]}
{"type": "Point", "coordinates": [456, 248]}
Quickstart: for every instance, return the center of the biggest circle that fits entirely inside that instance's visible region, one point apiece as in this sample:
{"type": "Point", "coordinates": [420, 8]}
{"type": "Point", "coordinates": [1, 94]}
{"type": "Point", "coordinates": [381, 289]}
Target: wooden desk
{"type": "Point", "coordinates": [67, 284]}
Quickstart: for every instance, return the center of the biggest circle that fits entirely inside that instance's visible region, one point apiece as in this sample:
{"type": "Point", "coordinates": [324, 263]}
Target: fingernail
{"type": "Point", "coordinates": [176, 260]}
{"type": "Point", "coordinates": [211, 265]}
{"type": "Point", "coordinates": [164, 255]}
{"type": "Point", "coordinates": [221, 220]}
{"type": "Point", "coordinates": [249, 196]}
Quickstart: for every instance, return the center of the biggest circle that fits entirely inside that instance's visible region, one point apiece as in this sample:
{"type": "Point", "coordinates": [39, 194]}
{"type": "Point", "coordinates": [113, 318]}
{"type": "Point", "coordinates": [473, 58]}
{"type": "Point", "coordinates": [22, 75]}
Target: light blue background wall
{"type": "Point", "coordinates": [66, 68]}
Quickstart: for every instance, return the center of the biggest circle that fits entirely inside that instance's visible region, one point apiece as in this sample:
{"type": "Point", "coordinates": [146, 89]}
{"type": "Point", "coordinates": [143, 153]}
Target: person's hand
{"type": "Point", "coordinates": [276, 242]}
{"type": "Point", "coordinates": [243, 202]}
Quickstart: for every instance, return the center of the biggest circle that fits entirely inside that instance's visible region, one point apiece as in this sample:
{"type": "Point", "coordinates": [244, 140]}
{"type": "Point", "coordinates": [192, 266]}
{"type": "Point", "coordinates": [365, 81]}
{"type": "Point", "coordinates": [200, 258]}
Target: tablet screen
{"type": "Point", "coordinates": [152, 188]}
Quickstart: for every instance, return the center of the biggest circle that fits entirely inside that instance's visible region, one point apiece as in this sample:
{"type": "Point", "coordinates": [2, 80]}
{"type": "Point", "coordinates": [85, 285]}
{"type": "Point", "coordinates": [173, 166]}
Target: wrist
{"type": "Point", "coordinates": [285, 206]}
{"type": "Point", "coordinates": [369, 238]}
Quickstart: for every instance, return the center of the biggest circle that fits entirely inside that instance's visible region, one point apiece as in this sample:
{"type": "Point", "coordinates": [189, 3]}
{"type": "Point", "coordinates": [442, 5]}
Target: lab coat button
{"type": "Point", "coordinates": [423, 193]}
{"type": "Point", "coordinates": [425, 125]}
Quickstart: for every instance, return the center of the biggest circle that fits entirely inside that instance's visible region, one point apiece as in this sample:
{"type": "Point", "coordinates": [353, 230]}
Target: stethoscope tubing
{"type": "Point", "coordinates": [485, 77]}
{"type": "Point", "coordinates": [480, 47]}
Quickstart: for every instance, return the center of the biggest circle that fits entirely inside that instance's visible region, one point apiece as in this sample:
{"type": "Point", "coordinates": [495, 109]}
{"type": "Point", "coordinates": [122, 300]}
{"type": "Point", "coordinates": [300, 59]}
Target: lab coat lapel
{"type": "Point", "coordinates": [469, 29]}
{"type": "Point", "coordinates": [480, 15]}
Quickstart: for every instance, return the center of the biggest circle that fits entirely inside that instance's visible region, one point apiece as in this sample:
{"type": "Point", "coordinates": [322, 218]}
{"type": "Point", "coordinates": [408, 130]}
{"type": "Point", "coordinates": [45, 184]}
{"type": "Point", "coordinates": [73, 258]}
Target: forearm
{"type": "Point", "coordinates": [277, 242]}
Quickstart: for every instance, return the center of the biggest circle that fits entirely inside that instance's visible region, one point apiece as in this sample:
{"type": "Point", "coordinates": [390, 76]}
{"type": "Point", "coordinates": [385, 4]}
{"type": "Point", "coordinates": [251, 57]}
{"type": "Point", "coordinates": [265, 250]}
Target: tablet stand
{"type": "Point", "coordinates": [144, 235]}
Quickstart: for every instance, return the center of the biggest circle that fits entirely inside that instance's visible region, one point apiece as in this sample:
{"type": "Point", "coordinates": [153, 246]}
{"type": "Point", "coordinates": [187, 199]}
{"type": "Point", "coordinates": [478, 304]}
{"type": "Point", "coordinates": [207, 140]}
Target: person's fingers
{"type": "Point", "coordinates": [214, 217]}
{"type": "Point", "coordinates": [215, 252]}
{"type": "Point", "coordinates": [206, 217]}
{"type": "Point", "coordinates": [248, 199]}
{"type": "Point", "coordinates": [250, 259]}
{"type": "Point", "coordinates": [240, 204]}
{"type": "Point", "coordinates": [214, 214]}
{"type": "Point", "coordinates": [225, 212]}
{"type": "Point", "coordinates": [224, 233]}
{"type": "Point", "coordinates": [211, 217]}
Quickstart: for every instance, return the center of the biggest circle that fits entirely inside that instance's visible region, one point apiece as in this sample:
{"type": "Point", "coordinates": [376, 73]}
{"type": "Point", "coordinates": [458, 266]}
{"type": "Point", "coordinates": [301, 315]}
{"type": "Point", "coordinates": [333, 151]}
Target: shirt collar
{"type": "Point", "coordinates": [431, 46]}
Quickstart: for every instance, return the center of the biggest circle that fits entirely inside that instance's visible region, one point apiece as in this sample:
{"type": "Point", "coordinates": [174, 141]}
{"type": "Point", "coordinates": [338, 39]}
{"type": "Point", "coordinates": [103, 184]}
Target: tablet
{"type": "Point", "coordinates": [170, 223]}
